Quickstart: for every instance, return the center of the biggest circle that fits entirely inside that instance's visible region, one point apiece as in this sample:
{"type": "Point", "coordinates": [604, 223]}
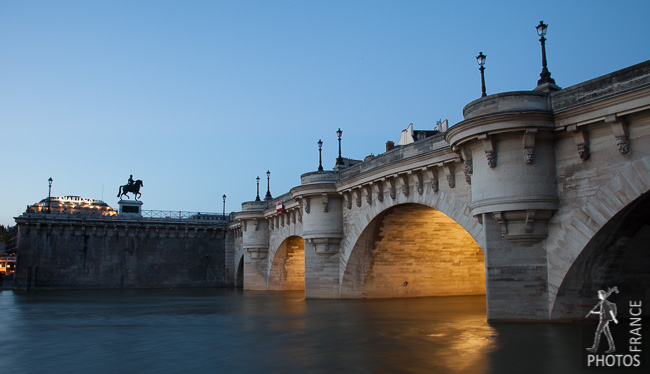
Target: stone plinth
{"type": "Point", "coordinates": [130, 208]}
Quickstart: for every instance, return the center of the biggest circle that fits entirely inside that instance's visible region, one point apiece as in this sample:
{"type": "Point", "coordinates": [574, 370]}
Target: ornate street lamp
{"type": "Point", "coordinates": [49, 196]}
{"type": "Point", "coordinates": [268, 186]}
{"type": "Point", "coordinates": [339, 160]}
{"type": "Point", "coordinates": [258, 190]}
{"type": "Point", "coordinates": [224, 206]}
{"type": "Point", "coordinates": [545, 75]}
{"type": "Point", "coordinates": [481, 62]}
{"type": "Point", "coordinates": [320, 159]}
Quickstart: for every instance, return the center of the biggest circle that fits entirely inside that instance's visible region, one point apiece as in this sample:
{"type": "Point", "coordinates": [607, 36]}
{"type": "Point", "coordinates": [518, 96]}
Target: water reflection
{"type": "Point", "coordinates": [471, 340]}
{"type": "Point", "coordinates": [205, 331]}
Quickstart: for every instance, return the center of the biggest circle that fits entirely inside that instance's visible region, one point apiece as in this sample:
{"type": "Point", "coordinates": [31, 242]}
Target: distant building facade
{"type": "Point", "coordinates": [71, 205]}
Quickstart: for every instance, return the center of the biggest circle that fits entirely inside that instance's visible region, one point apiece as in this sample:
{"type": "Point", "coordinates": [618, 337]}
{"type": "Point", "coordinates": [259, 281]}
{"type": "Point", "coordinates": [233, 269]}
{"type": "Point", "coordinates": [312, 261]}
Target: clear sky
{"type": "Point", "coordinates": [197, 98]}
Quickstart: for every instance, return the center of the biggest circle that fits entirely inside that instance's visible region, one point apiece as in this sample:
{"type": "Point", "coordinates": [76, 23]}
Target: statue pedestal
{"type": "Point", "coordinates": [130, 208]}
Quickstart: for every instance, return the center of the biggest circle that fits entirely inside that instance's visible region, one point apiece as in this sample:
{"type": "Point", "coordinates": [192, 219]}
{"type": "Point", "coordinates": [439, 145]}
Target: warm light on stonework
{"type": "Point", "coordinates": [416, 251]}
{"type": "Point", "coordinates": [288, 267]}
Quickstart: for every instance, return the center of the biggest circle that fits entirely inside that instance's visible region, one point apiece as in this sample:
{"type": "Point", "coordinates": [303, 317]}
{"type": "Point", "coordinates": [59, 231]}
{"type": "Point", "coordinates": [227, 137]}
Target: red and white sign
{"type": "Point", "coordinates": [279, 207]}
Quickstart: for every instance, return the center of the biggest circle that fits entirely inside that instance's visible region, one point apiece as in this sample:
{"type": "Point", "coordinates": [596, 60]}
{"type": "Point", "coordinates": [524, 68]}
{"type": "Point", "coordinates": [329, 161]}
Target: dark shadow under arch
{"type": "Point", "coordinates": [618, 255]}
{"type": "Point", "coordinates": [239, 278]}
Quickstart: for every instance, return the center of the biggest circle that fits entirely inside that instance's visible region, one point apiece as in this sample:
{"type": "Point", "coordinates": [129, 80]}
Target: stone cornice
{"type": "Point", "coordinates": [417, 162]}
{"type": "Point", "coordinates": [395, 156]}
{"type": "Point", "coordinates": [254, 206]}
{"type": "Point", "coordinates": [288, 207]}
{"type": "Point", "coordinates": [234, 225]}
{"type": "Point", "coordinates": [624, 104]}
{"type": "Point", "coordinates": [42, 219]}
{"type": "Point", "coordinates": [251, 210]}
{"type": "Point", "coordinates": [501, 204]}
{"type": "Point", "coordinates": [284, 197]}
{"type": "Point", "coordinates": [633, 78]}
{"type": "Point", "coordinates": [120, 228]}
{"type": "Point", "coordinates": [319, 177]}
{"type": "Point", "coordinates": [313, 189]}
{"type": "Point", "coordinates": [499, 123]}
{"type": "Point", "coordinates": [507, 102]}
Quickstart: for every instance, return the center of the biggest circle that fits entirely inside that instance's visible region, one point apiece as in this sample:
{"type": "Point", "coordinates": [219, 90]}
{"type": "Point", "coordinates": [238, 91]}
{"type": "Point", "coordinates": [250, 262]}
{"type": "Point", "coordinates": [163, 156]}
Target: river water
{"type": "Point", "coordinates": [230, 331]}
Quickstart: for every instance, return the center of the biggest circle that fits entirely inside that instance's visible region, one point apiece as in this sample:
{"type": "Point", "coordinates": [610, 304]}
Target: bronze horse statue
{"type": "Point", "coordinates": [135, 188]}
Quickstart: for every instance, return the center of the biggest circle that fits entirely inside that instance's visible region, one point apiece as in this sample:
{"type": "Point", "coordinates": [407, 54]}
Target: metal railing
{"type": "Point", "coordinates": [146, 214]}
{"type": "Point", "coordinates": [179, 214]}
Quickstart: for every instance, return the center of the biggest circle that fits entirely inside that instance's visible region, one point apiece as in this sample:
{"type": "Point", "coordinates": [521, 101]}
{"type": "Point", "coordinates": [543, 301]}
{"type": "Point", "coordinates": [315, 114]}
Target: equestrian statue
{"type": "Point", "coordinates": [131, 186]}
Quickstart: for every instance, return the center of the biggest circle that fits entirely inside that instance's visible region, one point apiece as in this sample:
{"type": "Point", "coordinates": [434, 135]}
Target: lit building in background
{"type": "Point", "coordinates": [72, 205]}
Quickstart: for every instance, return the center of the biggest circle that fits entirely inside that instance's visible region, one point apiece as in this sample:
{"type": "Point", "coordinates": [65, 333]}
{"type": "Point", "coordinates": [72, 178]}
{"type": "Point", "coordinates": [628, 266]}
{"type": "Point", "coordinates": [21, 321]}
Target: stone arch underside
{"type": "Point", "coordinates": [618, 255]}
{"type": "Point", "coordinates": [413, 250]}
{"type": "Point", "coordinates": [454, 204]}
{"type": "Point", "coordinates": [239, 273]}
{"type": "Point", "coordinates": [583, 246]}
{"type": "Point", "coordinates": [288, 265]}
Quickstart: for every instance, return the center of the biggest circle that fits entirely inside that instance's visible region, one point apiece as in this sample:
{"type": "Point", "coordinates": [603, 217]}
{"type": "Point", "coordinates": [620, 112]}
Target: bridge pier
{"type": "Point", "coordinates": [322, 231]}
{"type": "Point", "coordinates": [322, 268]}
{"type": "Point", "coordinates": [514, 194]}
{"type": "Point", "coordinates": [515, 277]}
{"type": "Point", "coordinates": [255, 273]}
{"type": "Point", "coordinates": [255, 242]}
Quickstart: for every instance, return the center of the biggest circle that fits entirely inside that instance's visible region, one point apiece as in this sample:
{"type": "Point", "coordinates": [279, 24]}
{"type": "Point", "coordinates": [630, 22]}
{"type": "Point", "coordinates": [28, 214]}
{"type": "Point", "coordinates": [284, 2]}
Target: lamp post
{"type": "Point", "coordinates": [224, 206]}
{"type": "Point", "coordinates": [481, 62]}
{"type": "Point", "coordinates": [320, 159]}
{"type": "Point", "coordinates": [258, 189]}
{"type": "Point", "coordinates": [339, 160]}
{"type": "Point", "coordinates": [545, 75]}
{"type": "Point", "coordinates": [49, 196]}
{"type": "Point", "coordinates": [268, 186]}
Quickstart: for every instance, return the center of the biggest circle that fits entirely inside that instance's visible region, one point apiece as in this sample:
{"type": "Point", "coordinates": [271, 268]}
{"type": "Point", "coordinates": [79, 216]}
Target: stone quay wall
{"type": "Point", "coordinates": [72, 251]}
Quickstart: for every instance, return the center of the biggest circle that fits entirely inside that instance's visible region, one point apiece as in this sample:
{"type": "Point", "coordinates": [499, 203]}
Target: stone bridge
{"type": "Point", "coordinates": [537, 199]}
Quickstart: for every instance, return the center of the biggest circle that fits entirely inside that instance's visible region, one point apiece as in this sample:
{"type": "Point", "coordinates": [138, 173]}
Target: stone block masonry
{"type": "Point", "coordinates": [110, 252]}
{"type": "Point", "coordinates": [288, 269]}
{"type": "Point", "coordinates": [421, 252]}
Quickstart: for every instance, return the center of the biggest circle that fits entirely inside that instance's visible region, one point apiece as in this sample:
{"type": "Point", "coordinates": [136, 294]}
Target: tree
{"type": "Point", "coordinates": [4, 235]}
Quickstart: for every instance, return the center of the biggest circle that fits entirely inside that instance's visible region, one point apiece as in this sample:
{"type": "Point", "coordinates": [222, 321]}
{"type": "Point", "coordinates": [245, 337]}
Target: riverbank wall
{"type": "Point", "coordinates": [99, 252]}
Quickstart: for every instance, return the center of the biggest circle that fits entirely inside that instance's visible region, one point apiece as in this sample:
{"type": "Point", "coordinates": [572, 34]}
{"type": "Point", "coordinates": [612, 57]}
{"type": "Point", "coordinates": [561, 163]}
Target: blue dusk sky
{"type": "Point", "coordinates": [197, 98]}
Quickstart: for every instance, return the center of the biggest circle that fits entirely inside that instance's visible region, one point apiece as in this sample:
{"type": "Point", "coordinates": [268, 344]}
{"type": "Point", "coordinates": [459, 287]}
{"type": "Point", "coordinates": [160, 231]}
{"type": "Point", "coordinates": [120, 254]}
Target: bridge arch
{"type": "Point", "coordinates": [452, 203]}
{"type": "Point", "coordinates": [411, 250]}
{"type": "Point", "coordinates": [287, 265]}
{"type": "Point", "coordinates": [604, 244]}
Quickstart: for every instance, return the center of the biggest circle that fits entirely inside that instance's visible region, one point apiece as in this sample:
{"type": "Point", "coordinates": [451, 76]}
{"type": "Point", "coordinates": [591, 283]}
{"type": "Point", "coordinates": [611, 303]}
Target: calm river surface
{"type": "Point", "coordinates": [230, 331]}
